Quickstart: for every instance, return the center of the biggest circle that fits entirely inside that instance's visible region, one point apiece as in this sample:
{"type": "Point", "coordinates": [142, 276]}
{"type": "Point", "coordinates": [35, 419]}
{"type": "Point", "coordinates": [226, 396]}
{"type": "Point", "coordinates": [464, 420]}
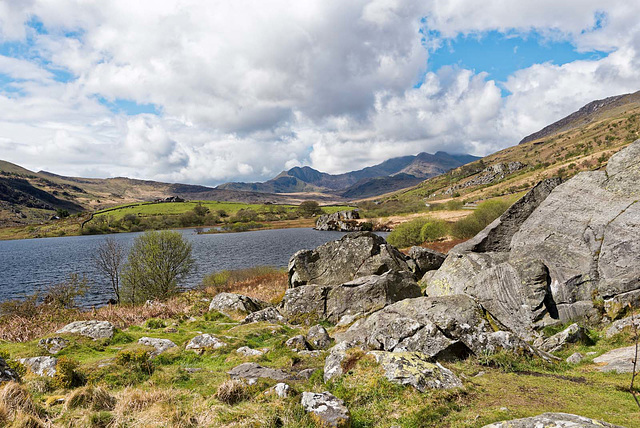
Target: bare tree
{"type": "Point", "coordinates": [109, 259]}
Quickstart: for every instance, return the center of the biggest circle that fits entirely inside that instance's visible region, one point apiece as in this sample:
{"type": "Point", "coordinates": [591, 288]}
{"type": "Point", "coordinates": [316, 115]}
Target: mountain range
{"type": "Point", "coordinates": [392, 174]}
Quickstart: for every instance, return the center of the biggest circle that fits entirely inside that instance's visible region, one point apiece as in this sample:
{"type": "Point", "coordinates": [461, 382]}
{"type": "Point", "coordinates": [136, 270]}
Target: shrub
{"type": "Point", "coordinates": [135, 360]}
{"type": "Point", "coordinates": [64, 294]}
{"type": "Point", "coordinates": [408, 234]}
{"type": "Point", "coordinates": [484, 214]}
{"type": "Point", "coordinates": [433, 230]}
{"type": "Point", "coordinates": [154, 323]}
{"type": "Point", "coordinates": [66, 374]}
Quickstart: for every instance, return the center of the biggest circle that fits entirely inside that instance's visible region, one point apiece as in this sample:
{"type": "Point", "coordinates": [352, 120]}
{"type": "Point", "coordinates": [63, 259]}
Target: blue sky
{"type": "Point", "coordinates": [203, 92]}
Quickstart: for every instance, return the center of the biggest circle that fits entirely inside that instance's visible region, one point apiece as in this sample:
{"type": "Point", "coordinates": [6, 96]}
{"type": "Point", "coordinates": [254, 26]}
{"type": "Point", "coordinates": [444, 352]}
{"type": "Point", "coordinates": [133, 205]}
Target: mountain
{"type": "Point", "coordinates": [582, 141]}
{"type": "Point", "coordinates": [32, 197]}
{"type": "Point", "coordinates": [390, 175]}
{"type": "Point", "coordinates": [587, 114]}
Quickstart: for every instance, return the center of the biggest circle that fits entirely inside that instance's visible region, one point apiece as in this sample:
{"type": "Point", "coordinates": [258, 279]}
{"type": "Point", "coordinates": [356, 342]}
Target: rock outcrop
{"type": "Point", "coordinates": [617, 360]}
{"type": "Point", "coordinates": [7, 374]}
{"type": "Point", "coordinates": [232, 304]}
{"type": "Point", "coordinates": [311, 303]}
{"type": "Point", "coordinates": [159, 345]}
{"type": "Point", "coordinates": [553, 420]}
{"type": "Point", "coordinates": [425, 260]}
{"type": "Point", "coordinates": [337, 262]}
{"type": "Point", "coordinates": [205, 342]}
{"type": "Point", "coordinates": [557, 253]}
{"type": "Point", "coordinates": [415, 369]}
{"type": "Point", "coordinates": [269, 314]}
{"type": "Point", "coordinates": [318, 337]}
{"type": "Point", "coordinates": [251, 372]}
{"type": "Point", "coordinates": [53, 345]}
{"type": "Point", "coordinates": [341, 221]}
{"type": "Point", "coordinates": [94, 329]}
{"type": "Point", "coordinates": [622, 324]}
{"type": "Point", "coordinates": [572, 334]}
{"type": "Point", "coordinates": [41, 366]}
{"type": "Point", "coordinates": [326, 409]}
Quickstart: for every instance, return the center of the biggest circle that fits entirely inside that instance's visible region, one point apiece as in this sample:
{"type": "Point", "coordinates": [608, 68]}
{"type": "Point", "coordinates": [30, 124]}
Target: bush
{"type": "Point", "coordinates": [64, 294]}
{"type": "Point", "coordinates": [66, 375]}
{"type": "Point", "coordinates": [433, 230]}
{"type": "Point", "coordinates": [154, 323]}
{"type": "Point", "coordinates": [157, 262]}
{"type": "Point", "coordinates": [408, 234]}
{"type": "Point", "coordinates": [136, 360]}
{"type": "Point", "coordinates": [484, 214]}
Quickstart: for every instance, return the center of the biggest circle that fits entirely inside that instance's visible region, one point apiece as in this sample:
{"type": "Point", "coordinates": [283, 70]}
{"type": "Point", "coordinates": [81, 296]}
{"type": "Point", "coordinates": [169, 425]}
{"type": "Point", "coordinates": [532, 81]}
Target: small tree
{"type": "Point", "coordinates": [309, 208]}
{"type": "Point", "coordinates": [200, 210]}
{"type": "Point", "coordinates": [109, 259]}
{"type": "Point", "coordinates": [157, 262]}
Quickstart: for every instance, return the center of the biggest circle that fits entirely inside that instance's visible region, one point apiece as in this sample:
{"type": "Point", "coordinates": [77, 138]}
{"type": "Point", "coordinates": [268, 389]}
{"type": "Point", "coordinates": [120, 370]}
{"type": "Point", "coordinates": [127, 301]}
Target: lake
{"type": "Point", "coordinates": [30, 265]}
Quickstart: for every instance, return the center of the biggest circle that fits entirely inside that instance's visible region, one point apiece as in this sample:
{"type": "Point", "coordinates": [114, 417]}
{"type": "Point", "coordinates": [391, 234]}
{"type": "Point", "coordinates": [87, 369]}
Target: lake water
{"type": "Point", "coordinates": [30, 265]}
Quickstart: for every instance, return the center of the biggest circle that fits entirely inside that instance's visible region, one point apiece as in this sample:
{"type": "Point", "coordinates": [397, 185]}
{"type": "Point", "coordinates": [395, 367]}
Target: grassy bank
{"type": "Point", "coordinates": [112, 384]}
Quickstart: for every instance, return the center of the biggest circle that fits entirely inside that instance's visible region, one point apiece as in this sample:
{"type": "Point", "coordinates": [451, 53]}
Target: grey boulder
{"type": "Point", "coordinates": [311, 303]}
{"type": "Point", "coordinates": [553, 420]}
{"type": "Point", "coordinates": [415, 369]}
{"type": "Point", "coordinates": [232, 304]}
{"type": "Point", "coordinates": [572, 334]}
{"type": "Point", "coordinates": [94, 329]}
{"type": "Point", "coordinates": [159, 345]}
{"type": "Point", "coordinates": [249, 352]}
{"type": "Point", "coordinates": [617, 360]}
{"type": "Point", "coordinates": [7, 374]}
{"type": "Point", "coordinates": [41, 366]}
{"type": "Point", "coordinates": [251, 372]}
{"type": "Point", "coordinates": [342, 221]}
{"type": "Point", "coordinates": [337, 262]}
{"type": "Point", "coordinates": [297, 343]}
{"type": "Point", "coordinates": [203, 342]}
{"type": "Point", "coordinates": [326, 409]}
{"type": "Point", "coordinates": [621, 324]}
{"type": "Point", "coordinates": [53, 345]}
{"type": "Point", "coordinates": [318, 337]}
{"type": "Point", "coordinates": [426, 259]}
{"type": "Point", "coordinates": [575, 358]}
{"type": "Point", "coordinates": [269, 314]}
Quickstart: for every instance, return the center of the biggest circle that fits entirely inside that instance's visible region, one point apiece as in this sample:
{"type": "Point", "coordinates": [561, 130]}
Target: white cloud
{"type": "Point", "coordinates": [248, 88]}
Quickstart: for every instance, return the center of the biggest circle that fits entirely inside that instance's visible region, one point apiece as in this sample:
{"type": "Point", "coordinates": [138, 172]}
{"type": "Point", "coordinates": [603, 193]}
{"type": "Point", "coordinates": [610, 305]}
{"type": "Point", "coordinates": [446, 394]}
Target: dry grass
{"type": "Point", "coordinates": [232, 391]}
{"type": "Point", "coordinates": [264, 283]}
{"type": "Point", "coordinates": [94, 398]}
{"type": "Point", "coordinates": [26, 420]}
{"type": "Point", "coordinates": [15, 398]}
{"type": "Point", "coordinates": [136, 400]}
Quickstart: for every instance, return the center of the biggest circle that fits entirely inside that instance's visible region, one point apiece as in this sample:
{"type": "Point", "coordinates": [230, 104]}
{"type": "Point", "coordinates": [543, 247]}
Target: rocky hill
{"type": "Point", "coordinates": [392, 174]}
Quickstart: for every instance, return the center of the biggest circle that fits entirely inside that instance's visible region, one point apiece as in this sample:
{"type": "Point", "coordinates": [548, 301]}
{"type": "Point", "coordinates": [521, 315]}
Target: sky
{"type": "Point", "coordinates": [209, 92]}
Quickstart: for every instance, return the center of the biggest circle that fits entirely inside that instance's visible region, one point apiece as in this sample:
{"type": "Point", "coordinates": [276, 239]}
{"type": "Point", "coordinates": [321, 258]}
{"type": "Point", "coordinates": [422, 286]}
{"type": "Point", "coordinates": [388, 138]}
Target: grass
{"type": "Point", "coordinates": [182, 388]}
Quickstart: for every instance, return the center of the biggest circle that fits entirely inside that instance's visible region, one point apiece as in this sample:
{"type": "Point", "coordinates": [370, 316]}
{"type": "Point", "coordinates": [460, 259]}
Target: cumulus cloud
{"type": "Point", "coordinates": [247, 88]}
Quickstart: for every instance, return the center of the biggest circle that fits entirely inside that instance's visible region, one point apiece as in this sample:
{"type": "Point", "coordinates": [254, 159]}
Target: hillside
{"type": "Point", "coordinates": [392, 174]}
{"type": "Point", "coordinates": [28, 197]}
{"type": "Point", "coordinates": [582, 141]}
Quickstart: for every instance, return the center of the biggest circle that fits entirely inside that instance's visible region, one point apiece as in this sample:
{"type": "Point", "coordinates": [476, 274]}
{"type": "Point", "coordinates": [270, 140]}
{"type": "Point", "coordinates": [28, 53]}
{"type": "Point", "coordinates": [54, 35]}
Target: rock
{"type": "Point", "coordinates": [337, 262]}
{"type": "Point", "coordinates": [364, 295]}
{"type": "Point", "coordinates": [160, 345]}
{"type": "Point", "coordinates": [555, 252]}
{"type": "Point", "coordinates": [282, 390]}
{"type": "Point", "coordinates": [318, 337]}
{"type": "Point", "coordinates": [572, 334]}
{"type": "Point", "coordinates": [298, 343]}
{"type": "Point", "coordinates": [348, 320]}
{"type": "Point", "coordinates": [269, 314]}
{"type": "Point", "coordinates": [41, 366]}
{"type": "Point", "coordinates": [326, 409]}
{"type": "Point", "coordinates": [306, 373]}
{"type": "Point", "coordinates": [248, 352]}
{"type": "Point", "coordinates": [312, 354]}
{"type": "Point", "coordinates": [426, 259]}
{"type": "Point", "coordinates": [253, 371]}
{"type": "Point", "coordinates": [619, 325]}
{"type": "Point", "coordinates": [53, 345]}
{"type": "Point", "coordinates": [333, 362]}
{"type": "Point", "coordinates": [443, 328]}
{"type": "Point", "coordinates": [205, 341]}
{"type": "Point", "coordinates": [415, 369]}
{"type": "Point", "coordinates": [575, 358]}
{"type": "Point", "coordinates": [7, 374]}
{"type": "Point", "coordinates": [617, 360]}
{"type": "Point", "coordinates": [93, 329]}
{"type": "Point", "coordinates": [342, 221]}
{"type": "Point", "coordinates": [553, 420]}
{"type": "Point", "coordinates": [232, 304]}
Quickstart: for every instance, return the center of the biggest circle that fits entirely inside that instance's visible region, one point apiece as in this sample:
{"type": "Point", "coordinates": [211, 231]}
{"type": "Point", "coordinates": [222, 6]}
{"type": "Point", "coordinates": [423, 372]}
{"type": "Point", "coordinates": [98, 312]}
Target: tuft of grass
{"type": "Point", "coordinates": [232, 391]}
{"type": "Point", "coordinates": [92, 397]}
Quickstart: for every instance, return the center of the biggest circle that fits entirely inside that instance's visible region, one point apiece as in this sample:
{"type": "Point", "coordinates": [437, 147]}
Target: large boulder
{"type": "Point", "coordinates": [342, 221]}
{"type": "Point", "coordinates": [442, 328]}
{"type": "Point", "coordinates": [618, 360]}
{"type": "Point", "coordinates": [415, 369]}
{"type": "Point", "coordinates": [251, 372]}
{"type": "Point", "coordinates": [553, 420]}
{"type": "Point", "coordinates": [232, 304]}
{"type": "Point", "coordinates": [53, 345]}
{"type": "Point", "coordinates": [326, 409]}
{"type": "Point", "coordinates": [426, 259]}
{"type": "Point", "coordinates": [159, 345]}
{"type": "Point", "coordinates": [318, 337]}
{"type": "Point", "coordinates": [557, 254]}
{"type": "Point", "coordinates": [7, 374]}
{"type": "Point", "coordinates": [269, 314]}
{"type": "Point", "coordinates": [337, 262]}
{"type": "Point", "coordinates": [572, 334]}
{"type": "Point", "coordinates": [41, 366]}
{"type": "Point", "coordinates": [94, 329]}
{"type": "Point", "coordinates": [361, 296]}
{"type": "Point", "coordinates": [205, 342]}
